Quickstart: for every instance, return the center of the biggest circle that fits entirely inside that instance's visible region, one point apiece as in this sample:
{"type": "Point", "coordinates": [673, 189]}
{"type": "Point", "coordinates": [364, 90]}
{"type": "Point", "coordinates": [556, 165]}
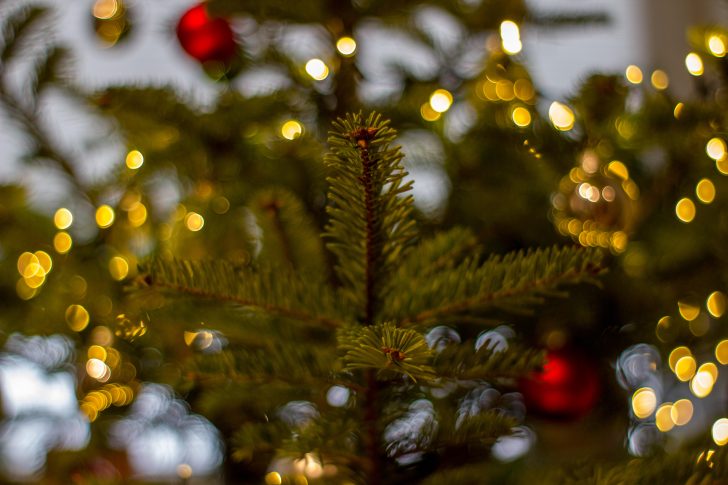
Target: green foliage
{"type": "Point", "coordinates": [385, 282]}
{"type": "Point", "coordinates": [489, 364]}
{"type": "Point", "coordinates": [272, 290]}
{"type": "Point", "coordinates": [687, 467]}
{"type": "Point", "coordinates": [389, 349]}
{"type": "Point", "coordinates": [370, 225]}
{"type": "Point", "coordinates": [510, 282]}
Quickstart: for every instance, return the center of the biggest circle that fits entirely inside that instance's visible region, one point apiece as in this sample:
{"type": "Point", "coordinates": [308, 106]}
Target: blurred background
{"type": "Point", "coordinates": [597, 123]}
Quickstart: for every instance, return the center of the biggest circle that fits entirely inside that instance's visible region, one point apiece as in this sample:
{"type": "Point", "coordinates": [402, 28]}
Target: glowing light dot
{"type": "Point", "coordinates": [716, 46]}
{"type": "Point", "coordinates": [346, 46]}
{"type": "Point", "coordinates": [291, 129]}
{"type": "Point", "coordinates": [677, 354]}
{"type": "Point", "coordinates": [722, 165]}
{"type": "Point", "coordinates": [561, 116]}
{"type": "Point", "coordinates": [104, 216]}
{"type": "Point", "coordinates": [77, 317]}
{"type": "Point", "coordinates": [618, 169]}
{"type": "Point", "coordinates": [317, 69]}
{"type": "Point", "coordinates": [273, 478]}
{"type": "Point", "coordinates": [702, 383]}
{"type": "Point", "coordinates": [682, 412]}
{"type": "Point", "coordinates": [105, 9]}
{"type": "Point", "coordinates": [194, 221]}
{"type": "Point", "coordinates": [721, 352]}
{"type": "Point", "coordinates": [521, 116]}
{"type": "Point", "coordinates": [118, 267]}
{"type": "Point", "coordinates": [633, 74]}
{"type": "Point", "coordinates": [96, 368]}
{"type": "Point", "coordinates": [659, 79]}
{"type": "Point", "coordinates": [63, 218]}
{"type": "Point", "coordinates": [134, 159]}
{"type": "Point", "coordinates": [510, 37]}
{"type": "Point", "coordinates": [97, 352]}
{"type": "Point", "coordinates": [716, 148]}
{"type": "Point", "coordinates": [441, 100]}
{"type": "Point", "coordinates": [685, 210]}
{"type": "Point", "coordinates": [663, 418]}
{"type": "Point", "coordinates": [62, 242]}
{"type": "Point", "coordinates": [427, 113]}
{"type": "Point", "coordinates": [184, 471]}
{"type": "Point", "coordinates": [644, 402]}
{"type": "Point", "coordinates": [694, 64]}
{"type": "Point", "coordinates": [720, 432]}
{"type": "Point", "coordinates": [29, 265]}
{"type": "Point", "coordinates": [678, 110]}
{"type": "Point", "coordinates": [685, 368]}
{"type": "Point", "coordinates": [137, 214]}
{"type": "Point", "coordinates": [688, 311]}
{"type": "Point", "coordinates": [45, 261]}
{"type": "Point", "coordinates": [523, 89]}
{"type": "Point", "coordinates": [716, 304]}
{"type": "Point", "coordinates": [705, 190]}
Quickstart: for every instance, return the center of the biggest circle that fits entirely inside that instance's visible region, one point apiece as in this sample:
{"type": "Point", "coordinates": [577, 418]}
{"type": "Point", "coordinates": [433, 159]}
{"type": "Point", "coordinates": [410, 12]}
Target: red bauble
{"type": "Point", "coordinates": [567, 387]}
{"type": "Point", "coordinates": [206, 38]}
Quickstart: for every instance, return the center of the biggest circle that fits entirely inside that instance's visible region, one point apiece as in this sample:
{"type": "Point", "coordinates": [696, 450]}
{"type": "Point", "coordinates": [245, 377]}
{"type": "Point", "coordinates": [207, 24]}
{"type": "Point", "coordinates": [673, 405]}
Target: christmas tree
{"type": "Point", "coordinates": [254, 291]}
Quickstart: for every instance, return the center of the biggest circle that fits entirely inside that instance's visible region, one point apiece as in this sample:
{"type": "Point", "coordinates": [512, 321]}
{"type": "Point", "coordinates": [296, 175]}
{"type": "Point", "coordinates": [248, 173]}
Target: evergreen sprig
{"type": "Point", "coordinates": [388, 288]}
{"type": "Point", "coordinates": [370, 224]}
{"type": "Point", "coordinates": [275, 291]}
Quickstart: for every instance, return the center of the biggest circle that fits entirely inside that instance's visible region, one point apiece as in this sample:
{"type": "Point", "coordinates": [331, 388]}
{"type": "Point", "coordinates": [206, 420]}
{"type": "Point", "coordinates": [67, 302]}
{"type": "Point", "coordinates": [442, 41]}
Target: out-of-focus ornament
{"type": "Point", "coordinates": [111, 21]}
{"type": "Point", "coordinates": [568, 386]}
{"type": "Point", "coordinates": [205, 38]}
{"type": "Point", "coordinates": [596, 203]}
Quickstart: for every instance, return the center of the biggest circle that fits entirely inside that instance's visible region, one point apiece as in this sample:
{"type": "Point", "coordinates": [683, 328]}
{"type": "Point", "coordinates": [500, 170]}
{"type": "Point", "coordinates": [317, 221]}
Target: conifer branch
{"type": "Point", "coordinates": [370, 225]}
{"type": "Point", "coordinates": [509, 282]}
{"type": "Point", "coordinates": [463, 362]}
{"type": "Point", "coordinates": [273, 291]}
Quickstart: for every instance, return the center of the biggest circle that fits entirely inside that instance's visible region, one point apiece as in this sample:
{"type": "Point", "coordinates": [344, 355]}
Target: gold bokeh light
{"type": "Point", "coordinates": [705, 190]}
{"type": "Point", "coordinates": [682, 412]}
{"type": "Point", "coordinates": [659, 79]}
{"type": "Point", "coordinates": [716, 303]}
{"type": "Point", "coordinates": [194, 221]}
{"type": "Point", "coordinates": [317, 69]}
{"type": "Point", "coordinates": [134, 159]}
{"type": "Point", "coordinates": [346, 46]}
{"type": "Point", "coordinates": [644, 402]}
{"type": "Point", "coordinates": [561, 116]}
{"type": "Point", "coordinates": [663, 417]}
{"type": "Point", "coordinates": [685, 368]}
{"type": "Point", "coordinates": [104, 216]}
{"type": "Point", "coordinates": [291, 129]}
{"type": "Point", "coordinates": [441, 100]}
{"type": "Point", "coordinates": [694, 64]}
{"type": "Point", "coordinates": [77, 317]}
{"type": "Point", "coordinates": [62, 242]}
{"type": "Point", "coordinates": [63, 218]}
{"type": "Point", "coordinates": [685, 210]}
{"type": "Point", "coordinates": [721, 352]}
{"type": "Point", "coordinates": [716, 148]}
{"type": "Point", "coordinates": [720, 432]}
{"type": "Point", "coordinates": [633, 74]}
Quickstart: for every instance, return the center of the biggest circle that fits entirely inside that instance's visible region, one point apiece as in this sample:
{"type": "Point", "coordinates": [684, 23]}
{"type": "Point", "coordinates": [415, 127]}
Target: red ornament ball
{"type": "Point", "coordinates": [206, 38]}
{"type": "Point", "coordinates": [567, 387]}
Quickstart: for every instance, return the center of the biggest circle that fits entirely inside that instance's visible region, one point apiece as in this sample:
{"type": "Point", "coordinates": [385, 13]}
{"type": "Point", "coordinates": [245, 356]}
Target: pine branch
{"type": "Point", "coordinates": [271, 291]}
{"type": "Point", "coordinates": [370, 225]}
{"type": "Point", "coordinates": [387, 349]}
{"type": "Point", "coordinates": [684, 467]}
{"type": "Point", "coordinates": [507, 282]}
{"type": "Point", "coordinates": [463, 362]}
